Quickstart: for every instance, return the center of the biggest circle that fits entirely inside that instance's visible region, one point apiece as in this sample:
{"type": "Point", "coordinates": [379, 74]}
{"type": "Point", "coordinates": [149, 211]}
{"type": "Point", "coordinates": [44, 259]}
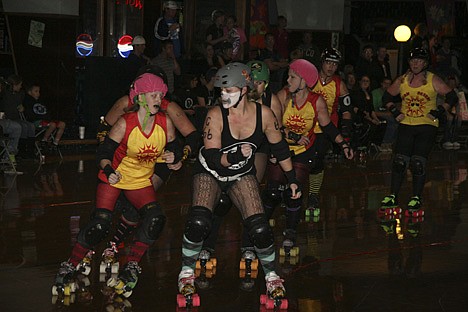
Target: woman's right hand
{"type": "Point", "coordinates": [114, 178]}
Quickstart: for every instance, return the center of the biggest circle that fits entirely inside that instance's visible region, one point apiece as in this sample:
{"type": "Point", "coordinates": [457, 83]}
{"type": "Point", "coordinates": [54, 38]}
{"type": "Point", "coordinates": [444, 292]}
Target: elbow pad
{"type": "Point", "coordinates": [213, 157]}
{"type": "Point", "coordinates": [387, 98]}
{"type": "Point", "coordinates": [193, 141]}
{"type": "Point", "coordinates": [451, 99]}
{"type": "Point", "coordinates": [175, 147]}
{"type": "Point", "coordinates": [331, 131]}
{"type": "Point", "coordinates": [106, 150]}
{"type": "Point", "coordinates": [280, 150]}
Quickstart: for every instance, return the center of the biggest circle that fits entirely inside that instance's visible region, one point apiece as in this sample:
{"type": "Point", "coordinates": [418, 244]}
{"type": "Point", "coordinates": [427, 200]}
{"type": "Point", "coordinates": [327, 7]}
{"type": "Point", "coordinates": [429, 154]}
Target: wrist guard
{"type": "Point", "coordinates": [108, 170]}
{"type": "Point", "coordinates": [294, 136]}
{"type": "Point", "coordinates": [175, 147]}
{"type": "Point", "coordinates": [291, 177]}
{"type": "Point", "coordinates": [395, 111]}
{"type": "Point", "coordinates": [438, 113]}
{"type": "Point", "coordinates": [235, 157]}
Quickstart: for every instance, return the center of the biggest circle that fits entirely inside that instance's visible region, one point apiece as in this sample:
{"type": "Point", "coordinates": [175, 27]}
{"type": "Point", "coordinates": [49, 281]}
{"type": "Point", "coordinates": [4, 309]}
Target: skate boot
{"type": "Point", "coordinates": [109, 263]}
{"type": "Point", "coordinates": [127, 279]}
{"type": "Point", "coordinates": [64, 286]}
{"type": "Point", "coordinates": [275, 297]}
{"type": "Point", "coordinates": [84, 267]}
{"type": "Point", "coordinates": [389, 207]}
{"type": "Point", "coordinates": [187, 296]}
{"type": "Point", "coordinates": [312, 213]}
{"type": "Point", "coordinates": [414, 209]}
{"type": "Point", "coordinates": [206, 265]}
{"type": "Point", "coordinates": [289, 250]}
{"type": "Point", "coordinates": [248, 269]}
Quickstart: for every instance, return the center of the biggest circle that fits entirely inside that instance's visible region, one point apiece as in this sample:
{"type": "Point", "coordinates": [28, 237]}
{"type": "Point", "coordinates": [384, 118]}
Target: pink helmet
{"type": "Point", "coordinates": [147, 83]}
{"type": "Point", "coordinates": [306, 70]}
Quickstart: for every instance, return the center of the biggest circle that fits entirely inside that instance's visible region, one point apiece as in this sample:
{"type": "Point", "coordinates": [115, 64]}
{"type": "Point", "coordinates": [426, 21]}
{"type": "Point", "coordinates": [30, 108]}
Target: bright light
{"type": "Point", "coordinates": [402, 33]}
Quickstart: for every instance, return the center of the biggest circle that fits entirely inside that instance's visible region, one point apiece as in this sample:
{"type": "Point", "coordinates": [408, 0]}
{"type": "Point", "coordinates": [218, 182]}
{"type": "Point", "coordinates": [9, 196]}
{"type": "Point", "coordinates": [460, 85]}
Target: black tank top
{"type": "Point", "coordinates": [229, 144]}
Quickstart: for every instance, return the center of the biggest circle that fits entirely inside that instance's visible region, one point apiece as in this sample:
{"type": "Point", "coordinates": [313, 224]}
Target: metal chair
{"type": "Point", "coordinates": [7, 162]}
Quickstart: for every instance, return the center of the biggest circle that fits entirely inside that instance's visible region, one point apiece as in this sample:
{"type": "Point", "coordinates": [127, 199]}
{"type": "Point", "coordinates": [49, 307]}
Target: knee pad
{"type": "Point", "coordinates": [152, 224]}
{"type": "Point", "coordinates": [97, 228]}
{"type": "Point", "coordinates": [259, 231]}
{"type": "Point", "coordinates": [291, 204]}
{"type": "Point", "coordinates": [224, 205]}
{"type": "Point", "coordinates": [418, 165]}
{"type": "Point", "coordinates": [198, 224]}
{"type": "Point", "coordinates": [271, 196]}
{"type": "Point", "coordinates": [400, 163]}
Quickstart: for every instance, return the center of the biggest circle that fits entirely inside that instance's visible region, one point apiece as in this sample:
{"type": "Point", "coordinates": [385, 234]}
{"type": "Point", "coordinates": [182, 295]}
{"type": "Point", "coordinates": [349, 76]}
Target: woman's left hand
{"type": "Point", "coordinates": [296, 192]}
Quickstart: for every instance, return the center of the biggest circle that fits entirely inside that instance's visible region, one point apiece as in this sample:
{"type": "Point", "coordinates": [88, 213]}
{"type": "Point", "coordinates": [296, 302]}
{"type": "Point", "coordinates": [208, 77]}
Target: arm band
{"type": "Point", "coordinates": [294, 136]}
{"type": "Point", "coordinates": [291, 177]}
{"type": "Point", "coordinates": [175, 147]}
{"type": "Point", "coordinates": [193, 140]}
{"type": "Point", "coordinates": [213, 157]}
{"type": "Point", "coordinates": [345, 103]}
{"type": "Point", "coordinates": [108, 170]}
{"type": "Point", "coordinates": [387, 98]}
{"type": "Point", "coordinates": [280, 150]}
{"type": "Point", "coordinates": [106, 150]}
{"type": "Point", "coordinates": [394, 110]}
{"type": "Point", "coordinates": [451, 98]}
{"type": "Point", "coordinates": [331, 131]}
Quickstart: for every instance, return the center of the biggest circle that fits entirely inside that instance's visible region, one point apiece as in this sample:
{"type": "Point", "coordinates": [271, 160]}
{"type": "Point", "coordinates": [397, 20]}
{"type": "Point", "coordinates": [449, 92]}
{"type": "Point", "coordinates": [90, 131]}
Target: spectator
{"type": "Point", "coordinates": [383, 114]}
{"type": "Point", "coordinates": [275, 62]}
{"type": "Point", "coordinates": [214, 33]}
{"type": "Point", "coordinates": [381, 69]}
{"type": "Point", "coordinates": [447, 63]}
{"type": "Point", "coordinates": [365, 66]}
{"type": "Point", "coordinates": [185, 96]}
{"type": "Point", "coordinates": [226, 53]}
{"type": "Point", "coordinates": [167, 27]}
{"type": "Point", "coordinates": [38, 114]}
{"type": "Point", "coordinates": [136, 60]}
{"type": "Point", "coordinates": [209, 60]}
{"type": "Point", "coordinates": [454, 120]}
{"type": "Point", "coordinates": [207, 96]}
{"type": "Point", "coordinates": [168, 62]}
{"type": "Point", "coordinates": [282, 37]}
{"type": "Point", "coordinates": [236, 36]}
{"type": "Point", "coordinates": [12, 129]}
{"type": "Point", "coordinates": [350, 81]}
{"type": "Point", "coordinates": [310, 51]}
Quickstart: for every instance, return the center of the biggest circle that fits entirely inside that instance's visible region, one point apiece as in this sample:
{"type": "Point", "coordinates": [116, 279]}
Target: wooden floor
{"type": "Point", "coordinates": [349, 259]}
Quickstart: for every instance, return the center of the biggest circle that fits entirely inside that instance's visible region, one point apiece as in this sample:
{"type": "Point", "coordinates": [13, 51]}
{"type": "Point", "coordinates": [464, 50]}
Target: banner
{"type": "Point", "coordinates": [440, 17]}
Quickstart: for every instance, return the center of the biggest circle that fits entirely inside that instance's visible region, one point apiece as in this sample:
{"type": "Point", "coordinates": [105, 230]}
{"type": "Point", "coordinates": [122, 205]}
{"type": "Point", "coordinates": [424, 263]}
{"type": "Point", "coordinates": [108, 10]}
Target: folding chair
{"type": "Point", "coordinates": [39, 131]}
{"type": "Point", "coordinates": [6, 161]}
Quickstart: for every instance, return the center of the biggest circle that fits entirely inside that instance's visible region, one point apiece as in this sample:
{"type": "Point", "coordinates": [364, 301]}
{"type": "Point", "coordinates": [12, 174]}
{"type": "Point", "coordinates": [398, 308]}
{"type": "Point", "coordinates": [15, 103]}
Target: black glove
{"type": "Point", "coordinates": [108, 170]}
{"type": "Point", "coordinates": [395, 111]}
{"type": "Point", "coordinates": [235, 157]}
{"type": "Point", "coordinates": [294, 136]}
{"type": "Point", "coordinates": [438, 113]}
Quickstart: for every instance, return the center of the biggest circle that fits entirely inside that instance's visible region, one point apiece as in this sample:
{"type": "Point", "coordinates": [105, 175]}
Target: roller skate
{"type": "Point", "coordinates": [289, 251]}
{"type": "Point", "coordinates": [275, 297]}
{"type": "Point", "coordinates": [109, 263]}
{"type": "Point", "coordinates": [414, 210]}
{"type": "Point", "coordinates": [126, 280]}
{"type": "Point", "coordinates": [187, 296]}
{"type": "Point", "coordinates": [389, 208]}
{"type": "Point", "coordinates": [206, 265]}
{"type": "Point", "coordinates": [84, 267]}
{"type": "Point", "coordinates": [64, 287]}
{"type": "Point", "coordinates": [248, 269]}
{"type": "Point", "coordinates": [312, 213]}
{"type": "Point", "coordinates": [113, 301]}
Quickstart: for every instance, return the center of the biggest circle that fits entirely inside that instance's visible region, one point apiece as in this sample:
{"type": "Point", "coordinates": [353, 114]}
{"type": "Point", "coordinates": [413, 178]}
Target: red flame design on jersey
{"type": "Point", "coordinates": [148, 154]}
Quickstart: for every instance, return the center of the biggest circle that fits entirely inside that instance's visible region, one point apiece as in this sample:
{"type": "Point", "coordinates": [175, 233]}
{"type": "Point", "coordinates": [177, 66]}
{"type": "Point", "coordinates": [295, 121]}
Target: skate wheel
{"type": "Point", "coordinates": [293, 260]}
{"type": "Point", "coordinates": [282, 252]}
{"type": "Point", "coordinates": [270, 304]}
{"type": "Point", "coordinates": [67, 290]}
{"type": "Point", "coordinates": [197, 272]}
{"type": "Point", "coordinates": [242, 273]}
{"type": "Point", "coordinates": [86, 271]}
{"type": "Point", "coordinates": [181, 301]}
{"type": "Point", "coordinates": [102, 277]}
{"type": "Point", "coordinates": [127, 294]}
{"type": "Point", "coordinates": [214, 261]}
{"type": "Point", "coordinates": [195, 300]}
{"type": "Point", "coordinates": [242, 264]}
{"type": "Point", "coordinates": [102, 268]}
{"type": "Point", "coordinates": [209, 265]}
{"type": "Point", "coordinates": [284, 304]}
{"type": "Point", "coordinates": [54, 299]}
{"type": "Point", "coordinates": [115, 268]}
{"type": "Point", "coordinates": [263, 299]}
{"type": "Point", "coordinates": [282, 259]}
{"type": "Point", "coordinates": [54, 291]}
{"type": "Point", "coordinates": [254, 265]}
{"type": "Point", "coordinates": [294, 252]}
{"type": "Point", "coordinates": [254, 274]}
{"type": "Point", "coordinates": [272, 222]}
{"type": "Point", "coordinates": [198, 265]}
{"type": "Point", "coordinates": [85, 281]}
{"type": "Point", "coordinates": [209, 273]}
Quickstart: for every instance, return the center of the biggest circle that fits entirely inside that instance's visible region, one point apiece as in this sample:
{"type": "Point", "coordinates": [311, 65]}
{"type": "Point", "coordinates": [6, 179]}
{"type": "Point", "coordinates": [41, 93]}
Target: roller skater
{"type": "Point", "coordinates": [419, 117]}
{"type": "Point", "coordinates": [225, 163]}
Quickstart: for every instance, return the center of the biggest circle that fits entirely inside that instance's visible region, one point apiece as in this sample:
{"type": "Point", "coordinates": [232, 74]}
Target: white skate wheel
{"type": "Point", "coordinates": [102, 278]}
{"type": "Point", "coordinates": [87, 270]}
{"type": "Point", "coordinates": [54, 291]}
{"type": "Point", "coordinates": [86, 281]}
{"type": "Point", "coordinates": [127, 294]}
{"type": "Point", "coordinates": [112, 282]}
{"type": "Point", "coordinates": [115, 268]}
{"type": "Point", "coordinates": [102, 268]}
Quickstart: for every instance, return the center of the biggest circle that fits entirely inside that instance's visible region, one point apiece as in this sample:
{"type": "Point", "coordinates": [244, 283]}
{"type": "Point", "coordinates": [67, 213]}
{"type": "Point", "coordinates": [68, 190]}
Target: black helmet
{"type": "Point", "coordinates": [331, 55]}
{"type": "Point", "coordinates": [419, 53]}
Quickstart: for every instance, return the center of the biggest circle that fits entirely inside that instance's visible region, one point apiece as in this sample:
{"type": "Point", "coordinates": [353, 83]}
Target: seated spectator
{"type": "Point", "coordinates": [226, 53]}
{"type": "Point", "coordinates": [12, 104]}
{"type": "Point", "coordinates": [185, 96]}
{"type": "Point", "coordinates": [10, 128]}
{"type": "Point", "coordinates": [38, 114]}
{"type": "Point", "coordinates": [350, 81]}
{"type": "Point", "coordinates": [168, 62]}
{"type": "Point", "coordinates": [236, 36]}
{"type": "Point", "coordinates": [207, 61]}
{"type": "Point", "coordinates": [207, 96]}
{"type": "Point", "coordinates": [310, 51]}
{"type": "Point", "coordinates": [454, 120]}
{"type": "Point", "coordinates": [275, 62]}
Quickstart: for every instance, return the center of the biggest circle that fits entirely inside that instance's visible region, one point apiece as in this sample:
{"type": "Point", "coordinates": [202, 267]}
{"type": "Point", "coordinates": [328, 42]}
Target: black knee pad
{"type": "Point", "coordinates": [289, 202]}
{"type": "Point", "coordinates": [152, 223]}
{"type": "Point", "coordinates": [271, 196]}
{"type": "Point", "coordinates": [198, 224]}
{"type": "Point", "coordinates": [400, 163]}
{"type": "Point", "coordinates": [97, 228]}
{"type": "Point", "coordinates": [224, 205]}
{"type": "Point", "coordinates": [259, 231]}
{"type": "Point", "coordinates": [418, 165]}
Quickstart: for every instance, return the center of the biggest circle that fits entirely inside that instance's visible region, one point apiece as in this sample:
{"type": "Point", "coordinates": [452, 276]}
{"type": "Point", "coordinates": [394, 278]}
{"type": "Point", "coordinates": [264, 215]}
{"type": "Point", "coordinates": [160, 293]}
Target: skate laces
{"type": "Point", "coordinates": [204, 255]}
{"type": "Point", "coordinates": [186, 282]}
{"type": "Point", "coordinates": [249, 254]}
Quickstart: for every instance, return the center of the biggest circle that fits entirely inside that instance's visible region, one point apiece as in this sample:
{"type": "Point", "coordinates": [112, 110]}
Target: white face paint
{"type": "Point", "coordinates": [230, 99]}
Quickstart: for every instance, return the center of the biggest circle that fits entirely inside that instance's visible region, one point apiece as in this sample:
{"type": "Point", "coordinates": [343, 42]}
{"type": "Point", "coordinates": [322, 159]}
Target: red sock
{"type": "Point", "coordinates": [78, 253]}
{"type": "Point", "coordinates": [137, 250]}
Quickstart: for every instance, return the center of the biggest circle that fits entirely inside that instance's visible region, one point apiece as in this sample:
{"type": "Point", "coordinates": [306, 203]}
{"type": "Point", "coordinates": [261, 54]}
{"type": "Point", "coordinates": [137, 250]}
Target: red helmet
{"type": "Point", "coordinates": [306, 70]}
{"type": "Point", "coordinates": [147, 83]}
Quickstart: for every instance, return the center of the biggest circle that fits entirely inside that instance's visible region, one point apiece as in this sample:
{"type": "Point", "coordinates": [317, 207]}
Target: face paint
{"type": "Point", "coordinates": [230, 99]}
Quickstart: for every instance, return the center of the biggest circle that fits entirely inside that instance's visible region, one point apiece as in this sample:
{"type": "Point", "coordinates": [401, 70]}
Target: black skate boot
{"type": "Point", "coordinates": [127, 279]}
